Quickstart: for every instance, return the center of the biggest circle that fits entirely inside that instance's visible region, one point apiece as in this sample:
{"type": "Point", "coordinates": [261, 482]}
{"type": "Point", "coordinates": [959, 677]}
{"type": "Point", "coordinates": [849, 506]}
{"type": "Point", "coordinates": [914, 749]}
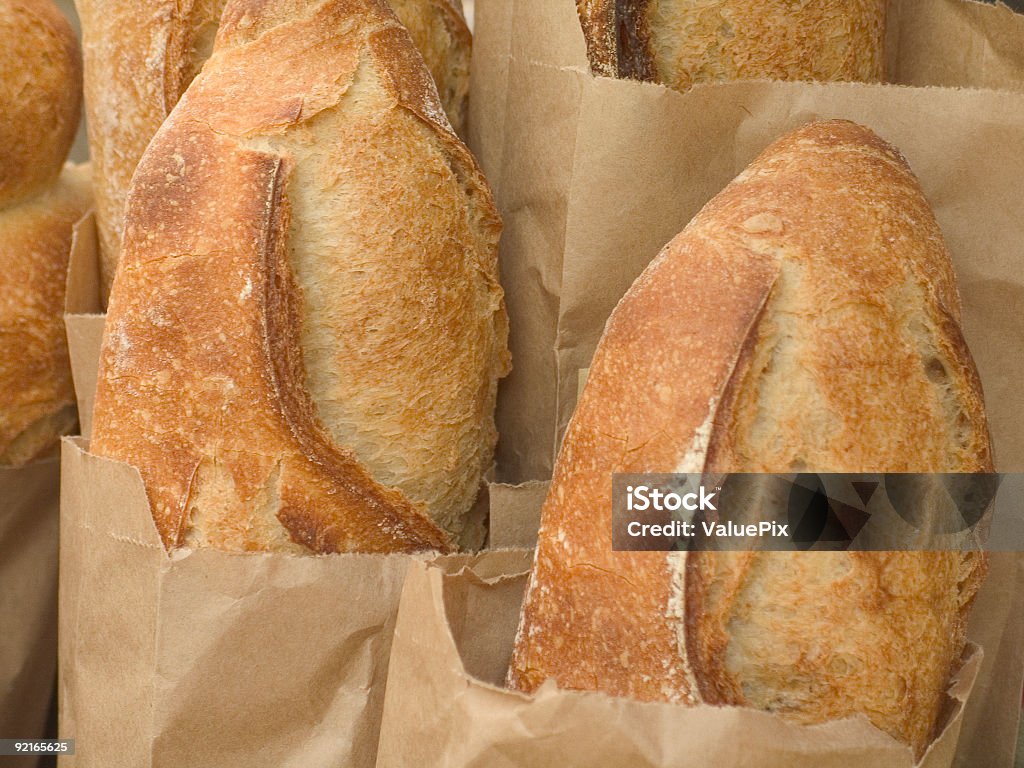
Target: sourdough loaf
{"type": "Point", "coordinates": [304, 340]}
{"type": "Point", "coordinates": [806, 320]}
{"type": "Point", "coordinates": [684, 42]}
{"type": "Point", "coordinates": [141, 55]}
{"type": "Point", "coordinates": [40, 90]}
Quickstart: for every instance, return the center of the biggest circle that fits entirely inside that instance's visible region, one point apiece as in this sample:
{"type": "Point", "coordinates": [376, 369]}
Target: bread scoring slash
{"type": "Point", "coordinates": [305, 336]}
{"type": "Point", "coordinates": [807, 319]}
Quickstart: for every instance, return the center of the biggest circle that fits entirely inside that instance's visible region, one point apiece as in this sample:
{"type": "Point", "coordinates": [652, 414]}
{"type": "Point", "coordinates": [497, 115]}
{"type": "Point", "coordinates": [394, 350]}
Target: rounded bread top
{"type": "Point", "coordinates": [41, 90]}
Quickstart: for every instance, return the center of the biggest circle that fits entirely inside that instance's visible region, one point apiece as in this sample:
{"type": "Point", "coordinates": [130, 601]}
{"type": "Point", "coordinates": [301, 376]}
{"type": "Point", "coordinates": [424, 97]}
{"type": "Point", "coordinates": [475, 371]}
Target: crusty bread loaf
{"type": "Point", "coordinates": [141, 55]}
{"type": "Point", "coordinates": [684, 42]}
{"type": "Point", "coordinates": [806, 320]}
{"type": "Point", "coordinates": [305, 337]}
{"type": "Point", "coordinates": [40, 90]}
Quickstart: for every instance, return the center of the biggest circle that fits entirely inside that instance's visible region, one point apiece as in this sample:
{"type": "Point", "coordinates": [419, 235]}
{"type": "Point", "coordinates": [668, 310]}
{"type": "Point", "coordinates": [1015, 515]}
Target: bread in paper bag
{"type": "Point", "coordinates": [806, 320]}
{"type": "Point", "coordinates": [306, 332]}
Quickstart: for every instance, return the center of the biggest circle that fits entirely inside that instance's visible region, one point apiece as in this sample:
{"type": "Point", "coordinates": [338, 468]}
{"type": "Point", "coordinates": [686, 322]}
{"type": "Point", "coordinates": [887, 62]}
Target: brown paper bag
{"type": "Point", "coordinates": [83, 317]}
{"type": "Point", "coordinates": [28, 601]}
{"type": "Point", "coordinates": [515, 514]}
{"type": "Point", "coordinates": [594, 176]}
{"type": "Point", "coordinates": [956, 43]}
{"type": "Point", "coordinates": [204, 658]}
{"type": "Point", "coordinates": [445, 704]}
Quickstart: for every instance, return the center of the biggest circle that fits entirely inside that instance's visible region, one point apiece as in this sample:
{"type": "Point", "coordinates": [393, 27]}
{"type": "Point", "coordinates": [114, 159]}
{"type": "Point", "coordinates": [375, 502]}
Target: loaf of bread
{"type": "Point", "coordinates": [806, 320]}
{"type": "Point", "coordinates": [141, 55]}
{"type": "Point", "coordinates": [40, 90]}
{"type": "Point", "coordinates": [305, 337]}
{"type": "Point", "coordinates": [684, 42]}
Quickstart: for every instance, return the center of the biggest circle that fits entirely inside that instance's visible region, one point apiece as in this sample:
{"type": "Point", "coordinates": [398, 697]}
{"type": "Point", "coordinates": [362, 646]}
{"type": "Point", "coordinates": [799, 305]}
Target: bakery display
{"type": "Point", "coordinates": [40, 200]}
{"type": "Point", "coordinates": [681, 43]}
{"type": "Point", "coordinates": [807, 319]}
{"type": "Point", "coordinates": [305, 336]}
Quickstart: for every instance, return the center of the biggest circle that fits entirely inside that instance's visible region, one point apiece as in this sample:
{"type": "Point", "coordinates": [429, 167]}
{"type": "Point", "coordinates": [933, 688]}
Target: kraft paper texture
{"type": "Point", "coordinates": [446, 705]}
{"type": "Point", "coordinates": [204, 658]}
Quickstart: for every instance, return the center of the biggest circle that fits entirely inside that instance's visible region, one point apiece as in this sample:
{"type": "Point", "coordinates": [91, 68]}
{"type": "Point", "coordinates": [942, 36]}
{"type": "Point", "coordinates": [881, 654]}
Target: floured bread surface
{"type": "Point", "coordinates": [141, 55]}
{"type": "Point", "coordinates": [859, 365]}
{"type": "Point", "coordinates": [844, 356]}
{"type": "Point", "coordinates": [684, 42]}
{"type": "Point", "coordinates": [335, 386]}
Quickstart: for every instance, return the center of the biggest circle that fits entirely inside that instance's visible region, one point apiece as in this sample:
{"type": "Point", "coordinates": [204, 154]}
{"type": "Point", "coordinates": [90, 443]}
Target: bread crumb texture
{"type": "Point", "coordinates": [305, 339]}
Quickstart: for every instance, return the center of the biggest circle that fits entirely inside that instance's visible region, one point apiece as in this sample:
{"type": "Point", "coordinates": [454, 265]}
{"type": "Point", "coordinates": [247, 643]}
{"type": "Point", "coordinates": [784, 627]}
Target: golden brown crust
{"type": "Point", "coordinates": [822, 636]}
{"type": "Point", "coordinates": [227, 405]}
{"type": "Point", "coordinates": [618, 38]}
{"type": "Point", "coordinates": [141, 55]}
{"type": "Point", "coordinates": [597, 18]}
{"type": "Point", "coordinates": [602, 620]}
{"type": "Point", "coordinates": [846, 358]}
{"type": "Point", "coordinates": [684, 42]}
{"type": "Point", "coordinates": [40, 89]}
{"type": "Point", "coordinates": [37, 399]}
{"type": "Point", "coordinates": [883, 355]}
